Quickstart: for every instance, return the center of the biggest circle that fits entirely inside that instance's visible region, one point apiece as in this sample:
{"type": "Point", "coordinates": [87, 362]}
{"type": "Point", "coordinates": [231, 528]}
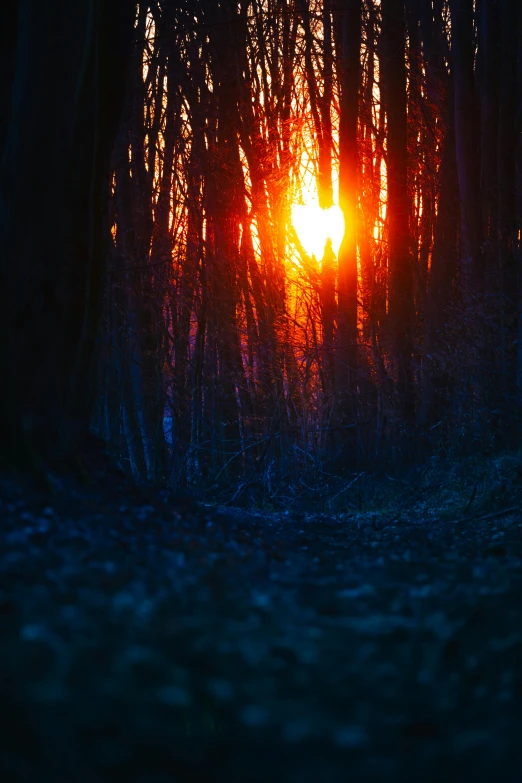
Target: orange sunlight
{"type": "Point", "coordinates": [314, 226]}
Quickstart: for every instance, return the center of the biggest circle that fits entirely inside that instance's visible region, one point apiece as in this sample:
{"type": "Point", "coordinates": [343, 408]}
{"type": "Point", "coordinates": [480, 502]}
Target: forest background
{"type": "Point", "coordinates": [166, 295]}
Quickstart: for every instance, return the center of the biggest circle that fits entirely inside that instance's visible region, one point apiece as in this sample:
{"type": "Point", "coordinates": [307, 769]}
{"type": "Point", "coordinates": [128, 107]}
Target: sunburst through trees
{"type": "Point", "coordinates": [314, 226]}
{"type": "Point", "coordinates": [304, 280]}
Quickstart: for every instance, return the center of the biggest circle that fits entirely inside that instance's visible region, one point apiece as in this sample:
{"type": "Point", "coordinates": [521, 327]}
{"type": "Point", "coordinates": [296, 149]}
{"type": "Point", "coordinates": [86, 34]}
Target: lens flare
{"type": "Point", "coordinates": [314, 226]}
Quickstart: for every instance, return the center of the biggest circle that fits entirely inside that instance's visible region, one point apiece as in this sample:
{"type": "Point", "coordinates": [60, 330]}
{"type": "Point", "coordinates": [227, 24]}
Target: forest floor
{"type": "Point", "coordinates": [151, 641]}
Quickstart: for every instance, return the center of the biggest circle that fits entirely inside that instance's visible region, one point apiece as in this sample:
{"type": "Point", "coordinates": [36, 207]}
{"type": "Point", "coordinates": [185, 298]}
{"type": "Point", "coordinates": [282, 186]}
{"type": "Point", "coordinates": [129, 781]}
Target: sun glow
{"type": "Point", "coordinates": [314, 226]}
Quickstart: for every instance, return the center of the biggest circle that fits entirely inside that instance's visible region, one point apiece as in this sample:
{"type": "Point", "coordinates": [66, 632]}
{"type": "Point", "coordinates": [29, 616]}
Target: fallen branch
{"type": "Point", "coordinates": [492, 515]}
{"type": "Point", "coordinates": [478, 517]}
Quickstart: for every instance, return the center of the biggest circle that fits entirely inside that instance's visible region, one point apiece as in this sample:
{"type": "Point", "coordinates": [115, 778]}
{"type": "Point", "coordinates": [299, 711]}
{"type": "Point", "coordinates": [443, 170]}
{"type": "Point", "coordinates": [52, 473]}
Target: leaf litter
{"type": "Point", "coordinates": [169, 642]}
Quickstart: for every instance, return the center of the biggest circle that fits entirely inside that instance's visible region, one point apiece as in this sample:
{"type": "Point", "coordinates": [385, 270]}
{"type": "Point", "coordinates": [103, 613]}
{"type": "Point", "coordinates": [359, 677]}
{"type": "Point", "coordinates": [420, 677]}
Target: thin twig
{"type": "Point", "coordinates": [351, 483]}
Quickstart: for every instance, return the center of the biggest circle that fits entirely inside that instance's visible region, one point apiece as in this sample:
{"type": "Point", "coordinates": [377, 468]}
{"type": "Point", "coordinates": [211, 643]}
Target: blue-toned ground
{"type": "Point", "coordinates": [147, 640]}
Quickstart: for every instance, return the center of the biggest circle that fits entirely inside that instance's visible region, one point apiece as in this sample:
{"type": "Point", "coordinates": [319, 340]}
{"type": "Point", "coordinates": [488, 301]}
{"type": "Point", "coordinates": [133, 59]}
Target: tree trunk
{"type": "Point", "coordinates": [489, 57]}
{"type": "Point", "coordinates": [466, 144]}
{"type": "Point", "coordinates": [506, 161]}
{"type": "Point", "coordinates": [518, 153]}
{"type": "Point", "coordinates": [400, 298]}
{"type": "Point", "coordinates": [347, 31]}
{"type": "Point", "coordinates": [442, 274]}
{"type": "Point", "coordinates": [69, 78]}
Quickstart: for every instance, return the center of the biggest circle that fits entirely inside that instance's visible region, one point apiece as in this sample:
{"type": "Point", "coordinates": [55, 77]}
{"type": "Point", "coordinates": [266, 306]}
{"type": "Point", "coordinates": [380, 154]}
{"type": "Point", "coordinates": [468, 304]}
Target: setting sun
{"type": "Point", "coordinates": [314, 226]}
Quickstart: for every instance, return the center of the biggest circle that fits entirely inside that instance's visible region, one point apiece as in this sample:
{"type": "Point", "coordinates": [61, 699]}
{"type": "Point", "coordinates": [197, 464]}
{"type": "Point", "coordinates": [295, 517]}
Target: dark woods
{"type": "Point", "coordinates": [62, 81]}
{"type": "Point", "coordinates": [148, 191]}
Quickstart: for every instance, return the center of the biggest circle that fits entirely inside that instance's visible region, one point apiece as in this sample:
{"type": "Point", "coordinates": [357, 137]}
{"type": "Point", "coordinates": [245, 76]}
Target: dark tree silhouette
{"type": "Point", "coordinates": [398, 199]}
{"type": "Point", "coordinates": [348, 42]}
{"type": "Point", "coordinates": [65, 75]}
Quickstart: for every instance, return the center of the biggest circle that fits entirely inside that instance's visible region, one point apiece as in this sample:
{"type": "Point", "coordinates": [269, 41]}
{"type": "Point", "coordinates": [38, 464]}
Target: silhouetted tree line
{"type": "Point", "coordinates": [152, 281]}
